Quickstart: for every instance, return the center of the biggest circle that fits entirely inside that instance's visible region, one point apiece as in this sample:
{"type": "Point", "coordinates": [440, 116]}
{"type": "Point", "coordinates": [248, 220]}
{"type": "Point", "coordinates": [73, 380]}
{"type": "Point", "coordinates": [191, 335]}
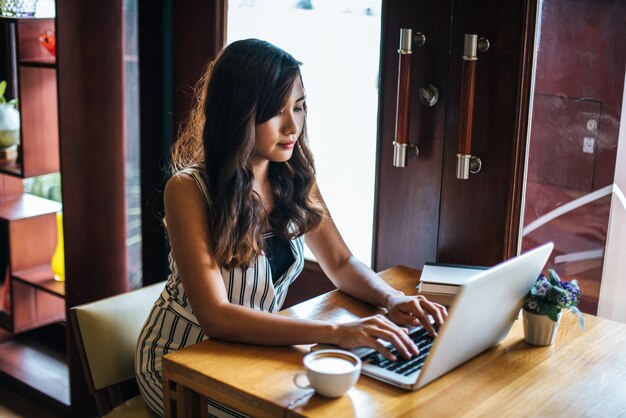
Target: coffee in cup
{"type": "Point", "coordinates": [330, 372]}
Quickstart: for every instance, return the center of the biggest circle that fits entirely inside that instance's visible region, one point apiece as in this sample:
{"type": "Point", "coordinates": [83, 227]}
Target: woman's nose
{"type": "Point", "coordinates": [290, 125]}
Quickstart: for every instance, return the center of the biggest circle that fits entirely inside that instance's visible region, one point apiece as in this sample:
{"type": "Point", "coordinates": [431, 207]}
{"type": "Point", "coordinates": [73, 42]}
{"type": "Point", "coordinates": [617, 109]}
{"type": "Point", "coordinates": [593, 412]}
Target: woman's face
{"type": "Point", "coordinates": [276, 138]}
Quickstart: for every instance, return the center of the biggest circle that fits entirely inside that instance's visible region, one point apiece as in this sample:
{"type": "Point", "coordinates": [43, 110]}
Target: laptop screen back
{"type": "Point", "coordinates": [483, 312]}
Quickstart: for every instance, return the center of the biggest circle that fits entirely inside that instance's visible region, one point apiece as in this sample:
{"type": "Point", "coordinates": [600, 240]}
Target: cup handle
{"type": "Point", "coordinates": [298, 377]}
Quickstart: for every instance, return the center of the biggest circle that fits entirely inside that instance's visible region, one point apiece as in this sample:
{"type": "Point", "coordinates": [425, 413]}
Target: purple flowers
{"type": "Point", "coordinates": [542, 286]}
{"type": "Point", "coordinates": [551, 294]}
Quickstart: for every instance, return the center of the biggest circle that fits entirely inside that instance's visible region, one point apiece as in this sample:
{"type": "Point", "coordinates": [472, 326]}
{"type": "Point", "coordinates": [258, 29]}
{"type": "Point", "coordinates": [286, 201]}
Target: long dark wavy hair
{"type": "Point", "coordinates": [246, 85]}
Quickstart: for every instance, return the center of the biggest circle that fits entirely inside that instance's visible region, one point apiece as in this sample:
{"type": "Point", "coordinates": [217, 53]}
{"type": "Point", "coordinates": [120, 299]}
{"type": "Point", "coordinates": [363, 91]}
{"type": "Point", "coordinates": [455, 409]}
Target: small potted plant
{"type": "Point", "coordinates": [543, 305]}
{"type": "Point", "coordinates": [9, 120]}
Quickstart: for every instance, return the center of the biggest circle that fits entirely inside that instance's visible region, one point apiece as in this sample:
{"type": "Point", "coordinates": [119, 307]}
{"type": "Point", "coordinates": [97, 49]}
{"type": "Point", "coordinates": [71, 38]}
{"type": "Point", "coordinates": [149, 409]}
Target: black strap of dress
{"type": "Point", "coordinates": [279, 255]}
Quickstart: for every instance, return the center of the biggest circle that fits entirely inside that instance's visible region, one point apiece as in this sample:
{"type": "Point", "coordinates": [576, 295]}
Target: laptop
{"type": "Point", "coordinates": [480, 316]}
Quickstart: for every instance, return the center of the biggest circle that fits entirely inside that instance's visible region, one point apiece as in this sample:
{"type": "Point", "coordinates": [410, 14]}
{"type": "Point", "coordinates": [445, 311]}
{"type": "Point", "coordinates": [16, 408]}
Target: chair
{"type": "Point", "coordinates": [106, 334]}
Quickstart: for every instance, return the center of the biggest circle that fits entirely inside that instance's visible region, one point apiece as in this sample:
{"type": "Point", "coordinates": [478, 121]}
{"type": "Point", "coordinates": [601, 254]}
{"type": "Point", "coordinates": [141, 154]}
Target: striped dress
{"type": "Point", "coordinates": [172, 324]}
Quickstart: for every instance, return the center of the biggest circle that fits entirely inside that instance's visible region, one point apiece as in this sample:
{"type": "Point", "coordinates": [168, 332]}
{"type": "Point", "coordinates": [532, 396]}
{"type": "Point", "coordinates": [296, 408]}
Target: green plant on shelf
{"type": "Point", "coordinates": [47, 186]}
{"type": "Point", "coordinates": [3, 100]}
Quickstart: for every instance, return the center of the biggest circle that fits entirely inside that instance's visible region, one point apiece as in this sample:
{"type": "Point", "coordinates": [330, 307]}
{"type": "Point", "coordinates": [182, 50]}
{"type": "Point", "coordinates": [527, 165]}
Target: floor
{"type": "Point", "coordinates": [13, 405]}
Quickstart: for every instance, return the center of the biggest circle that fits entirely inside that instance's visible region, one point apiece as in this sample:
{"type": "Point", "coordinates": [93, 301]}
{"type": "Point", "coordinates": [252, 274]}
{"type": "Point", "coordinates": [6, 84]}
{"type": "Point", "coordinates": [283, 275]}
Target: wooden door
{"type": "Point", "coordinates": [407, 199]}
{"type": "Point", "coordinates": [423, 212]}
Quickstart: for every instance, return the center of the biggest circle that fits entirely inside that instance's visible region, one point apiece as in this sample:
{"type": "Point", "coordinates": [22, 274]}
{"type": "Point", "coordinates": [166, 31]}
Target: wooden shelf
{"type": "Point", "coordinates": [14, 168]}
{"type": "Point", "coordinates": [39, 116]}
{"type": "Point", "coordinates": [5, 320]}
{"type": "Point", "coordinates": [41, 277]}
{"type": "Point", "coordinates": [16, 19]}
{"type": "Point", "coordinates": [29, 33]}
{"type": "Point", "coordinates": [32, 352]}
{"type": "Point", "coordinates": [23, 206]}
{"type": "Point", "coordinates": [51, 63]}
{"type": "Point", "coordinates": [40, 368]}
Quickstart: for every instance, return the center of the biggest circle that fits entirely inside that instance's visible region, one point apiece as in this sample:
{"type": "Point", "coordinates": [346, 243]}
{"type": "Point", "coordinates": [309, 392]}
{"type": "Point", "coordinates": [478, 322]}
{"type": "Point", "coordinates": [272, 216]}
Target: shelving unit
{"type": "Point", "coordinates": [31, 237]}
{"type": "Point", "coordinates": [33, 306]}
{"type": "Point", "coordinates": [31, 74]}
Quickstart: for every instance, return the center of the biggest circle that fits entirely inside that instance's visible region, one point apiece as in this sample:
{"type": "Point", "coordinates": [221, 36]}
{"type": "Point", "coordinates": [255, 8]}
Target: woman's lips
{"type": "Point", "coordinates": [287, 145]}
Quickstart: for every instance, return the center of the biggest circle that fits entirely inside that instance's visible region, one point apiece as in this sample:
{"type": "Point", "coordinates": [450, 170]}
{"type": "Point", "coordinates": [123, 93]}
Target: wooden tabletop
{"type": "Point", "coordinates": [582, 374]}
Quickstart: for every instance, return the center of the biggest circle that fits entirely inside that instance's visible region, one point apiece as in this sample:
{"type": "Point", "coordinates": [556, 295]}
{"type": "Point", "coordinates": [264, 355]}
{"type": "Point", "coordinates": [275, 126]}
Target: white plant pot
{"type": "Point", "coordinates": [9, 125]}
{"type": "Point", "coordinates": [540, 329]}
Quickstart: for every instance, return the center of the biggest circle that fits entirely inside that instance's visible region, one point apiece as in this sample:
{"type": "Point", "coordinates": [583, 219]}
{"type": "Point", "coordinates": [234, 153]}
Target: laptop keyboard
{"type": "Point", "coordinates": [403, 366]}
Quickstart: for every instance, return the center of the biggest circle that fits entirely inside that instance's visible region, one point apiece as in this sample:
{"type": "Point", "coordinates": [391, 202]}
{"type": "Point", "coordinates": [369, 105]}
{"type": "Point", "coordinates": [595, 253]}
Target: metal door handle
{"type": "Point", "coordinates": [467, 163]}
{"type": "Point", "coordinates": [402, 149]}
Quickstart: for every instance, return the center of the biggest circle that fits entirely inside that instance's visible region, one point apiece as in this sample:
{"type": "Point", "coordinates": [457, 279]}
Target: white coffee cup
{"type": "Point", "coordinates": [330, 372]}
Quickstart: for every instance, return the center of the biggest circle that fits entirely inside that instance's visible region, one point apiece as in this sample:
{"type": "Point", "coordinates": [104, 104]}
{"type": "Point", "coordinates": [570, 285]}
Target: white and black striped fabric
{"type": "Point", "coordinates": [172, 325]}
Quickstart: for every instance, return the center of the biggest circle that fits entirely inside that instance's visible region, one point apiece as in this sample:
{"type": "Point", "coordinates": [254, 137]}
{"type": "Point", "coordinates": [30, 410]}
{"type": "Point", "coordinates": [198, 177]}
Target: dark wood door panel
{"type": "Point", "coordinates": [475, 213]}
{"type": "Point", "coordinates": [407, 199]}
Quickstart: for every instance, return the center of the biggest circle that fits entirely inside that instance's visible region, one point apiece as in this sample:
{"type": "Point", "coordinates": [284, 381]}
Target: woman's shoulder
{"type": "Point", "coordinates": [196, 170]}
{"type": "Point", "coordinates": [190, 172]}
{"type": "Point", "coordinates": [197, 167]}
{"type": "Point", "coordinates": [187, 181]}
{"type": "Point", "coordinates": [180, 183]}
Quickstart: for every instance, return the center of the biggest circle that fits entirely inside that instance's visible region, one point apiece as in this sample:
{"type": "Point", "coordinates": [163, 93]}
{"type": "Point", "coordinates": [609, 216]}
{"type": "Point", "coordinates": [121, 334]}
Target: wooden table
{"type": "Point", "coordinates": [582, 374]}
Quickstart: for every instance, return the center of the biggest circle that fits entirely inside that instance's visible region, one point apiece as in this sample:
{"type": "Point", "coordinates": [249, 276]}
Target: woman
{"type": "Point", "coordinates": [241, 203]}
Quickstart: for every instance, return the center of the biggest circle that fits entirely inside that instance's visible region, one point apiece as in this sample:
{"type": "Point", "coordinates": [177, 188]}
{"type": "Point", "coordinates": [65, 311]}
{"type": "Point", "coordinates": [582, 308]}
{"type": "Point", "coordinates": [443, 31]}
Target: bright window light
{"type": "Point", "coordinates": [338, 43]}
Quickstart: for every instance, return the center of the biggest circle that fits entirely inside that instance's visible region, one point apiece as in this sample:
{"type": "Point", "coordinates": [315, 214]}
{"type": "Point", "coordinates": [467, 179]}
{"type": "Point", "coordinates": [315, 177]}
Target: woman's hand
{"type": "Point", "coordinates": [414, 310]}
{"type": "Point", "coordinates": [366, 332]}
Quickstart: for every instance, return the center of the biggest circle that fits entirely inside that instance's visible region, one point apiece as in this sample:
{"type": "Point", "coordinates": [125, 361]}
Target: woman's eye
{"type": "Point", "coordinates": [295, 110]}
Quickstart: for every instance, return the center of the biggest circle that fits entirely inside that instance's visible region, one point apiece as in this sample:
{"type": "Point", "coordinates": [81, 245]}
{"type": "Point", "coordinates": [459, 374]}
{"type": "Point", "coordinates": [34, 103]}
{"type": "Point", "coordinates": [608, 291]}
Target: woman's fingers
{"type": "Point", "coordinates": [374, 331]}
{"type": "Point", "coordinates": [414, 307]}
{"type": "Point", "coordinates": [440, 313]}
{"type": "Point", "coordinates": [405, 318]}
{"type": "Point", "coordinates": [382, 349]}
{"type": "Point", "coordinates": [405, 347]}
{"type": "Point", "coordinates": [398, 337]}
{"type": "Point", "coordinates": [411, 311]}
{"type": "Point", "coordinates": [420, 308]}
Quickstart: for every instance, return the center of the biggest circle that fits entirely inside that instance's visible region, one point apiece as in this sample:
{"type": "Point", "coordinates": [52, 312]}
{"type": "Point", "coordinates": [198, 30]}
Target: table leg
{"type": "Point", "coordinates": [182, 402]}
{"type": "Point", "coordinates": [169, 404]}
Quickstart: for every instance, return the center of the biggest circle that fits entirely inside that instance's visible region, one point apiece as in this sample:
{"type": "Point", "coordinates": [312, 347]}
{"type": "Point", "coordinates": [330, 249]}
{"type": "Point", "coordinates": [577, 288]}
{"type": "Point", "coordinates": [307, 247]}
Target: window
{"type": "Point", "coordinates": [131, 109]}
{"type": "Point", "coordinates": [340, 72]}
{"type": "Point", "coordinates": [572, 184]}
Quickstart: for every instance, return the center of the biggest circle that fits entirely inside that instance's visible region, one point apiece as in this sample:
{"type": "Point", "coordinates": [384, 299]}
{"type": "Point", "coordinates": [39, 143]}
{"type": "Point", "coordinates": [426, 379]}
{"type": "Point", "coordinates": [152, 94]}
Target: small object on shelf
{"type": "Point", "coordinates": [48, 40]}
{"type": "Point", "coordinates": [58, 258]}
{"type": "Point", "coordinates": [9, 125]}
{"type": "Point", "coordinates": [5, 292]}
{"type": "Point", "coordinates": [18, 8]}
{"type": "Point", "coordinates": [9, 119]}
{"type": "Point", "coordinates": [8, 155]}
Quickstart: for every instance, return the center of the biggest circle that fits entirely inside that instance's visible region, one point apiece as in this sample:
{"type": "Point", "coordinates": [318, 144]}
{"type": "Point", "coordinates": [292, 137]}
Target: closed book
{"type": "Point", "coordinates": [441, 298]}
{"type": "Point", "coordinates": [449, 289]}
{"type": "Point", "coordinates": [445, 278]}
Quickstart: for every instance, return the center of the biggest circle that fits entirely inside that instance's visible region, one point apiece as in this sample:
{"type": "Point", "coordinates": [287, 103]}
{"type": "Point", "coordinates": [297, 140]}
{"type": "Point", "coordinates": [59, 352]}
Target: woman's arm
{"type": "Point", "coordinates": [187, 224]}
{"type": "Point", "coordinates": [356, 279]}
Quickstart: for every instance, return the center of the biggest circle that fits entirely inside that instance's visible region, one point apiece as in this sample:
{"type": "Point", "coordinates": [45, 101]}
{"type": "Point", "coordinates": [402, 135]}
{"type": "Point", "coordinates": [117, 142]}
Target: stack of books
{"type": "Point", "coordinates": [440, 282]}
